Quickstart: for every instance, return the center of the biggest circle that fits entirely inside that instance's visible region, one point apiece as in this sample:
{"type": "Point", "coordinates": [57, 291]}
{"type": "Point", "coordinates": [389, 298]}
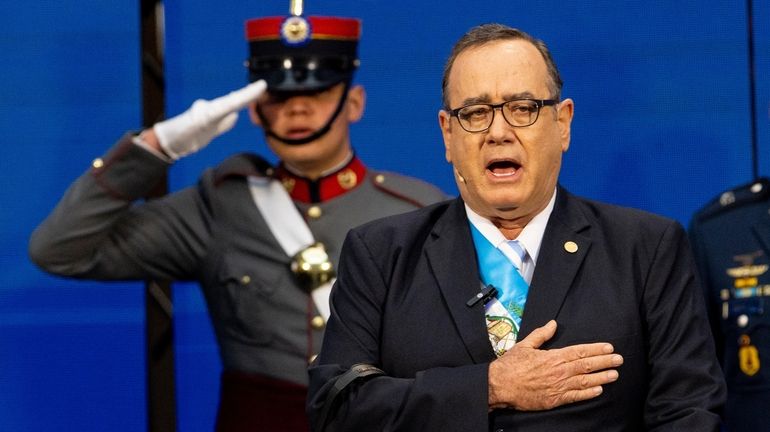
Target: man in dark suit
{"type": "Point", "coordinates": [595, 321]}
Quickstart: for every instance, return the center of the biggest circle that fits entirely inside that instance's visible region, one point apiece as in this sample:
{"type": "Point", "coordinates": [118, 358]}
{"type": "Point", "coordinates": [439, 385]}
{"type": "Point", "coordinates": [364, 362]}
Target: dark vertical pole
{"type": "Point", "coordinates": [752, 91]}
{"type": "Point", "coordinates": [161, 400]}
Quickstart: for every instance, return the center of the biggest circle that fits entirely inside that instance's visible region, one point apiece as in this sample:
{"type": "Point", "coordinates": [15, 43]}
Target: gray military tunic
{"type": "Point", "coordinates": [265, 323]}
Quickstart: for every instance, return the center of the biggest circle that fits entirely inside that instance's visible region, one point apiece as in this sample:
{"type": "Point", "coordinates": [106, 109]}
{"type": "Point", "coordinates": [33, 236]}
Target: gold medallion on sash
{"type": "Point", "coordinates": [748, 356]}
{"type": "Point", "coordinates": [312, 266]}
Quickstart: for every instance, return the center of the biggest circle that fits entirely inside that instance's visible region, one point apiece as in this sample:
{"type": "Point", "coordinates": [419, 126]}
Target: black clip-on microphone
{"type": "Point", "coordinates": [487, 293]}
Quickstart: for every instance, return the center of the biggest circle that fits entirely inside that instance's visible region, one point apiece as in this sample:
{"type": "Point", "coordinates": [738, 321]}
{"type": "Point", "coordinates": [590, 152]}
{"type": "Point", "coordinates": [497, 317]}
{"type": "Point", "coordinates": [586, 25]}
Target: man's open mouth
{"type": "Point", "coordinates": [503, 168]}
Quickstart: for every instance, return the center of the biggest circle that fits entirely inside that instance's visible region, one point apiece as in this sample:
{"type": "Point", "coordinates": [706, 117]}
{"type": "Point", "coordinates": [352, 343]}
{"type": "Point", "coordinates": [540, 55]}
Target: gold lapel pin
{"type": "Point", "coordinates": [570, 247]}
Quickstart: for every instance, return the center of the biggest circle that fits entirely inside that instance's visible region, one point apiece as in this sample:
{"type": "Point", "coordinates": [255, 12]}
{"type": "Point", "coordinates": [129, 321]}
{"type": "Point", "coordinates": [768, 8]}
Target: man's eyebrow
{"type": "Point", "coordinates": [520, 95]}
{"type": "Point", "coordinates": [485, 98]}
{"type": "Point", "coordinates": [482, 99]}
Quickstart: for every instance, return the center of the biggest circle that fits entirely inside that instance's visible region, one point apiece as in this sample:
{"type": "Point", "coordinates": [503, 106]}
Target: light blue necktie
{"type": "Point", "coordinates": [496, 269]}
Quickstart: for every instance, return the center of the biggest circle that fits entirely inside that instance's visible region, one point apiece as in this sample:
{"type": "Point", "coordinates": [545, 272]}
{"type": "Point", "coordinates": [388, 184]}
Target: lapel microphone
{"type": "Point", "coordinates": [487, 293]}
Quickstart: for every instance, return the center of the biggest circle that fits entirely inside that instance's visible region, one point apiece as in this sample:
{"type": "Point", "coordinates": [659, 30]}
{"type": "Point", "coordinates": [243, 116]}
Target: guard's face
{"type": "Point", "coordinates": [509, 172]}
{"type": "Point", "coordinates": [300, 115]}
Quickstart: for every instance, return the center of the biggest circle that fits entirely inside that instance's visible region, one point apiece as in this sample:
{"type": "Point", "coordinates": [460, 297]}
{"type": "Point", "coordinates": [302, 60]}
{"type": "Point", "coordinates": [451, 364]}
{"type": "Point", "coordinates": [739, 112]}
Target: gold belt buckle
{"type": "Point", "coordinates": [312, 266]}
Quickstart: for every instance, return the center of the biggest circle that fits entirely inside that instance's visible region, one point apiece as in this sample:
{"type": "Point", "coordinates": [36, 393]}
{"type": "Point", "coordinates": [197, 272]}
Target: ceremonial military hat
{"type": "Point", "coordinates": [297, 53]}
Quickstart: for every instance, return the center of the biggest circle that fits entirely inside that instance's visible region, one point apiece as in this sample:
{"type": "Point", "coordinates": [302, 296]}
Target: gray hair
{"type": "Point", "coordinates": [486, 33]}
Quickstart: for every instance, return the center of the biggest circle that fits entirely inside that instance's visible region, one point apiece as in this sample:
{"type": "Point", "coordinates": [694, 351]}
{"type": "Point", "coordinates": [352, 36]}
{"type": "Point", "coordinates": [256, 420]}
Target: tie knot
{"type": "Point", "coordinates": [518, 249]}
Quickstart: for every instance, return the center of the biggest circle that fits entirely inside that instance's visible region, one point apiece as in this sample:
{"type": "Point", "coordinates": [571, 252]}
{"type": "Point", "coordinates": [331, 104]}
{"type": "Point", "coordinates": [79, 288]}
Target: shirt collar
{"type": "Point", "coordinates": [531, 237]}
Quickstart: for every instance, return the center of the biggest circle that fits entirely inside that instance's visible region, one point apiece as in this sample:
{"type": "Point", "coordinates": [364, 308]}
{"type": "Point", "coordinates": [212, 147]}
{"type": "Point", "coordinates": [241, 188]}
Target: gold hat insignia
{"type": "Point", "coordinates": [295, 30]}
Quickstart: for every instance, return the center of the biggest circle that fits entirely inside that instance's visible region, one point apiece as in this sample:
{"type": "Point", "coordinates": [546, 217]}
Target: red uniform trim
{"type": "Point", "coordinates": [321, 28]}
{"type": "Point", "coordinates": [325, 188]}
{"type": "Point", "coordinates": [264, 28]}
{"type": "Point", "coordinates": [396, 194]}
{"type": "Point", "coordinates": [335, 28]}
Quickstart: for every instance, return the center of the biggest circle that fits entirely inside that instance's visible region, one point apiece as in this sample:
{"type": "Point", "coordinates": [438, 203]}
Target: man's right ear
{"type": "Point", "coordinates": [444, 123]}
{"type": "Point", "coordinates": [253, 114]}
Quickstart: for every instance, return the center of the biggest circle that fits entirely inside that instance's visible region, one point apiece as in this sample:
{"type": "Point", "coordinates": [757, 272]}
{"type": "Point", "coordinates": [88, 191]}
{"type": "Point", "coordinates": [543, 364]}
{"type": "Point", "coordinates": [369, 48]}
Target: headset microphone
{"type": "Point", "coordinates": [460, 176]}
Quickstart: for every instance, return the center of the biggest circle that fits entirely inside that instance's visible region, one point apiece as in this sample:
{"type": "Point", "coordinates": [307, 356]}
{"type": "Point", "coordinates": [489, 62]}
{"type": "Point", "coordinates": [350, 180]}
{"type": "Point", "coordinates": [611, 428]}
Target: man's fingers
{"type": "Point", "coordinates": [577, 352]}
{"type": "Point", "coordinates": [591, 380]}
{"type": "Point", "coordinates": [539, 335]}
{"type": "Point", "coordinates": [239, 99]}
{"type": "Point", "coordinates": [579, 395]}
{"type": "Point", "coordinates": [595, 363]}
{"type": "Point", "coordinates": [585, 387]}
{"type": "Point", "coordinates": [588, 358]}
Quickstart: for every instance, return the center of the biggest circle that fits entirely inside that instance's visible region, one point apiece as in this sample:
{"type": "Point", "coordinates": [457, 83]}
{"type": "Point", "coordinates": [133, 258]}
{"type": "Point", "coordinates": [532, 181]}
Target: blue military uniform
{"type": "Point", "coordinates": [731, 241]}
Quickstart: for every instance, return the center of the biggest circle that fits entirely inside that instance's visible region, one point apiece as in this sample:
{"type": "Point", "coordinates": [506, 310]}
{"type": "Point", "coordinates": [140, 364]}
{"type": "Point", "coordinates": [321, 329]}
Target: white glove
{"type": "Point", "coordinates": [204, 120]}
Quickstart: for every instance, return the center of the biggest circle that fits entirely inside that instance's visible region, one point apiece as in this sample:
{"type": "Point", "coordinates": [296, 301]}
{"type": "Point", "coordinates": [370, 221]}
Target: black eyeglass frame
{"type": "Point", "coordinates": [539, 103]}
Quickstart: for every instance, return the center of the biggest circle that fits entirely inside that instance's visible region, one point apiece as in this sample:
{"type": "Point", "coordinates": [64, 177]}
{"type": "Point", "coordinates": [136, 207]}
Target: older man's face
{"type": "Point", "coordinates": [505, 172]}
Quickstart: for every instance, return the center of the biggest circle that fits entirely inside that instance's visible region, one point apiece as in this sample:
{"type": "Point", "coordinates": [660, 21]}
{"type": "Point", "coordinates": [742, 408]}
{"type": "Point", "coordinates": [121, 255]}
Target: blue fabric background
{"type": "Point", "coordinates": [661, 123]}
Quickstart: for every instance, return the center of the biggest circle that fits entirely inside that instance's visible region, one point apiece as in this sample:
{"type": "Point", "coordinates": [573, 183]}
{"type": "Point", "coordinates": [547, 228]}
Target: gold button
{"type": "Point", "coordinates": [312, 358]}
{"type": "Point", "coordinates": [97, 163]}
{"type": "Point", "coordinates": [317, 322]}
{"type": "Point", "coordinates": [245, 279]}
{"type": "Point", "coordinates": [379, 178]}
{"type": "Point", "coordinates": [571, 247]}
{"type": "Point", "coordinates": [724, 294]}
{"type": "Point", "coordinates": [314, 212]}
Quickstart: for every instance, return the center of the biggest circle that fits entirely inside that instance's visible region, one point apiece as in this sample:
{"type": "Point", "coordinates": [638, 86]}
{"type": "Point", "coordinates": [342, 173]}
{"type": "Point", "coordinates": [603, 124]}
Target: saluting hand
{"type": "Point", "coordinates": [527, 378]}
{"type": "Point", "coordinates": [204, 120]}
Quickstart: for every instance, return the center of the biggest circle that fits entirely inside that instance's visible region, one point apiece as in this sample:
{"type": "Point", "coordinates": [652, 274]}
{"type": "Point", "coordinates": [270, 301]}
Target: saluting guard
{"type": "Point", "coordinates": [261, 240]}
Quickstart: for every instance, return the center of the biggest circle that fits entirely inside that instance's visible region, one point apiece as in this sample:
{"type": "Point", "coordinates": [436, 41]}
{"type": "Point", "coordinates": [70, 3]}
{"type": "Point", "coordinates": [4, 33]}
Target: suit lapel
{"type": "Point", "coordinates": [451, 257]}
{"type": "Point", "coordinates": [564, 247]}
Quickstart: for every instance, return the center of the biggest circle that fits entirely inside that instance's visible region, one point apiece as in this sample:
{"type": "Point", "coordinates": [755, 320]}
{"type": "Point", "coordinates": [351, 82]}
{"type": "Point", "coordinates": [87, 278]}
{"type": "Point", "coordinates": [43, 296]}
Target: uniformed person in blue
{"type": "Point", "coordinates": [731, 240]}
{"type": "Point", "coordinates": [261, 240]}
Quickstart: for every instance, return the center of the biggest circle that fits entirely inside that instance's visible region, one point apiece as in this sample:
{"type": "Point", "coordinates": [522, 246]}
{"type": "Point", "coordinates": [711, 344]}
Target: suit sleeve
{"type": "Point", "coordinates": [686, 389]}
{"type": "Point", "coordinates": [441, 398]}
{"type": "Point", "coordinates": [101, 230]}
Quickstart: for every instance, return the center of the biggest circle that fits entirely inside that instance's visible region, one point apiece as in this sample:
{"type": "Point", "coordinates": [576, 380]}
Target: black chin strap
{"type": "Point", "coordinates": [315, 135]}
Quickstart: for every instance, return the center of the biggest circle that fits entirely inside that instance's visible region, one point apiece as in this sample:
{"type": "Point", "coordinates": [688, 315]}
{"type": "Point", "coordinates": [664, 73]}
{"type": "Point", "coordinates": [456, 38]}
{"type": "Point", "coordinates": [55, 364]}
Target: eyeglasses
{"type": "Point", "coordinates": [516, 112]}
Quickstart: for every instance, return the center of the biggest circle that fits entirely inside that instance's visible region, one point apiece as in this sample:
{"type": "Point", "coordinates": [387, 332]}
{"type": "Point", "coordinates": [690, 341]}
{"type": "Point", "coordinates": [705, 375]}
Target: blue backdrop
{"type": "Point", "coordinates": [662, 123]}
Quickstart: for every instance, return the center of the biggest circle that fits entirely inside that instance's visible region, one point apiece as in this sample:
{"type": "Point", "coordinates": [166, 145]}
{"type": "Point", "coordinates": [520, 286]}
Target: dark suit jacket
{"type": "Point", "coordinates": [400, 303]}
